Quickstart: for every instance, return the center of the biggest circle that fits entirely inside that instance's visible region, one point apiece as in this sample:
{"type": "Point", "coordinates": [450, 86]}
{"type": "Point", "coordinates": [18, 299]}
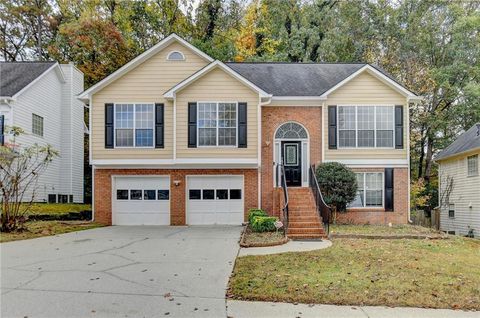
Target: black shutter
{"type": "Point", "coordinates": [192, 125]}
{"type": "Point", "coordinates": [332, 127]}
{"type": "Point", "coordinates": [109, 125]}
{"type": "Point", "coordinates": [242, 125]}
{"type": "Point", "coordinates": [388, 189]}
{"type": "Point", "coordinates": [398, 127]}
{"type": "Point", "coordinates": [2, 128]}
{"type": "Point", "coordinates": [159, 125]}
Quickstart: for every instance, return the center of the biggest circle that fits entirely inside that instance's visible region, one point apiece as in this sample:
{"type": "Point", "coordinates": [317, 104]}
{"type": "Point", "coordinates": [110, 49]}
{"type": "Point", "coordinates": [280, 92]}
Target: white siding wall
{"type": "Point", "coordinates": [466, 191]}
{"type": "Point", "coordinates": [54, 100]}
{"type": "Point", "coordinates": [72, 133]}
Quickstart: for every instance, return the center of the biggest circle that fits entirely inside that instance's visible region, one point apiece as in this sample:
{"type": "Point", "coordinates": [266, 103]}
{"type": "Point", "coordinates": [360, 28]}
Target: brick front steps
{"type": "Point", "coordinates": [304, 222]}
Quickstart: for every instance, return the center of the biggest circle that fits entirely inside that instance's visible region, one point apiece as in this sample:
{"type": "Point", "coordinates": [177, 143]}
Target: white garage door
{"type": "Point", "coordinates": [141, 200]}
{"type": "Point", "coordinates": [215, 199]}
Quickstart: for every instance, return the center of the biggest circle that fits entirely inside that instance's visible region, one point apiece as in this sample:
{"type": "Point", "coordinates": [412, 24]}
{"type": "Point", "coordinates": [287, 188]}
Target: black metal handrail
{"type": "Point", "coordinates": [283, 183]}
{"type": "Point", "coordinates": [324, 211]}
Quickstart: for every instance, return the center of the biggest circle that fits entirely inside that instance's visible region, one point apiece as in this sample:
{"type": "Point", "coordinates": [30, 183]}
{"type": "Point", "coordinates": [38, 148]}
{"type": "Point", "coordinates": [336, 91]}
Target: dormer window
{"type": "Point", "coordinates": [176, 56]}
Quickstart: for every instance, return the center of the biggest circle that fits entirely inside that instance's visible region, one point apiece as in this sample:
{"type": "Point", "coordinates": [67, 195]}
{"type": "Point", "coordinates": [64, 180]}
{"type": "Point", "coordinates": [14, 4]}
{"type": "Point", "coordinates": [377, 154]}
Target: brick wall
{"type": "Point", "coordinates": [103, 189]}
{"type": "Point", "coordinates": [379, 216]}
{"type": "Point", "coordinates": [272, 118]}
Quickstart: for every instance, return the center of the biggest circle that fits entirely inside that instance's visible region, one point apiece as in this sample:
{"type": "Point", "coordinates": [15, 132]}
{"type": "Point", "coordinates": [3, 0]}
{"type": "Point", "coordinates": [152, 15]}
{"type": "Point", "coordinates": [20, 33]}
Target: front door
{"type": "Point", "coordinates": [292, 161]}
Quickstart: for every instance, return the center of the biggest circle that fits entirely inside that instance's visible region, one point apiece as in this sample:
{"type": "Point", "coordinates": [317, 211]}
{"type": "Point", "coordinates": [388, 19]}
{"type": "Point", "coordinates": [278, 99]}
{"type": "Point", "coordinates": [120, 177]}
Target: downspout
{"type": "Point", "coordinates": [259, 150]}
{"type": "Point", "coordinates": [174, 127]}
{"type": "Point", "coordinates": [408, 159]}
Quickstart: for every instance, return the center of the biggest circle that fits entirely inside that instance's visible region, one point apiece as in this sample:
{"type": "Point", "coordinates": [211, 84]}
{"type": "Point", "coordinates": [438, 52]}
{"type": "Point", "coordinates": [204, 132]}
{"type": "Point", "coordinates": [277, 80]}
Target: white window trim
{"type": "Point", "coordinates": [365, 192]}
{"type": "Point", "coordinates": [174, 60]}
{"type": "Point", "coordinates": [134, 126]}
{"type": "Point", "coordinates": [43, 126]}
{"type": "Point", "coordinates": [356, 126]}
{"type": "Point", "coordinates": [468, 172]}
{"type": "Point", "coordinates": [216, 124]}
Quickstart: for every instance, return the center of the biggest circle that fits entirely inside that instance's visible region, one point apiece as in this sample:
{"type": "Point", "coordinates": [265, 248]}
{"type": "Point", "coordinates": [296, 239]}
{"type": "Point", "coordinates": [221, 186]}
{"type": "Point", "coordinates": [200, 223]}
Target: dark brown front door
{"type": "Point", "coordinates": [292, 160]}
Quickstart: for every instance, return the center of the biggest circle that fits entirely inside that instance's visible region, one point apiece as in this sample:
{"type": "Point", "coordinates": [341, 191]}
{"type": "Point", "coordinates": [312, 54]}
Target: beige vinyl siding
{"type": "Point", "coordinates": [365, 89]}
{"type": "Point", "coordinates": [144, 84]}
{"type": "Point", "coordinates": [465, 190]}
{"type": "Point", "coordinates": [217, 86]}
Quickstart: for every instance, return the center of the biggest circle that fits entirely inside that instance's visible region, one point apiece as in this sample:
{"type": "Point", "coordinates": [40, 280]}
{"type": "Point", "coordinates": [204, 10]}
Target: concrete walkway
{"type": "Point", "coordinates": [135, 271]}
{"type": "Point", "coordinates": [290, 246]}
{"type": "Point", "coordinates": [253, 309]}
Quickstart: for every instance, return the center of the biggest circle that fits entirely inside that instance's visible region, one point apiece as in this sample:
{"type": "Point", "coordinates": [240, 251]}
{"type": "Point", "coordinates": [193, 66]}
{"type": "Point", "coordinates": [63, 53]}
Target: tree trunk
{"type": "Point", "coordinates": [39, 36]}
{"type": "Point", "coordinates": [428, 160]}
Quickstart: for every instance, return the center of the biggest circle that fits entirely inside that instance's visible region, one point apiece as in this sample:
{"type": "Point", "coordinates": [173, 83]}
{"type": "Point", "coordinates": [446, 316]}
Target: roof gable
{"type": "Point", "coordinates": [139, 60]}
{"type": "Point", "coordinates": [217, 64]}
{"type": "Point", "coordinates": [467, 141]}
{"type": "Point", "coordinates": [17, 76]}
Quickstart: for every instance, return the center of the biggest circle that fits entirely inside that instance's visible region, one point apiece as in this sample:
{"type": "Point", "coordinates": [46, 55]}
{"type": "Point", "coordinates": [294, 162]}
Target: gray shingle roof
{"type": "Point", "coordinates": [16, 75]}
{"type": "Point", "coordinates": [295, 79]}
{"type": "Point", "coordinates": [469, 140]}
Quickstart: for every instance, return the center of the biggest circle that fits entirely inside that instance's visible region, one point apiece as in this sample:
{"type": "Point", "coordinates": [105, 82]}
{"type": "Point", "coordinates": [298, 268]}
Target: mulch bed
{"type": "Point", "coordinates": [264, 239]}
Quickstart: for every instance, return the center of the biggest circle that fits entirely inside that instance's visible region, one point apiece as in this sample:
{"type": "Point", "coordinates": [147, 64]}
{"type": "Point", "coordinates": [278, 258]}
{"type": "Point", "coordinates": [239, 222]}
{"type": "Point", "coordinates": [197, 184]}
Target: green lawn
{"type": "Point", "coordinates": [380, 229]}
{"type": "Point", "coordinates": [57, 208]}
{"type": "Point", "coordinates": [403, 272]}
{"type": "Point", "coordinates": [34, 229]}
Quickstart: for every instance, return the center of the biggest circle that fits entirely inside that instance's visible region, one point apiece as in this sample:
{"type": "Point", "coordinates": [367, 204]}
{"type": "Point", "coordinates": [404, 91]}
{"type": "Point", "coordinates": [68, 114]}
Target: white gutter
{"type": "Point", "coordinates": [259, 150]}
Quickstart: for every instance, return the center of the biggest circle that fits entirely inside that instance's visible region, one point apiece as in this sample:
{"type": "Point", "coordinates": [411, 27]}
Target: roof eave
{"type": "Point", "coordinates": [456, 154]}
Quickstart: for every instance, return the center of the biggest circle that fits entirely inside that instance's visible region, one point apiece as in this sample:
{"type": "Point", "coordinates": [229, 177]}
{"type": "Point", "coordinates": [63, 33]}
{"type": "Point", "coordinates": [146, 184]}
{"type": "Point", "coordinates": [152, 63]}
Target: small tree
{"type": "Point", "coordinates": [19, 173]}
{"type": "Point", "coordinates": [337, 183]}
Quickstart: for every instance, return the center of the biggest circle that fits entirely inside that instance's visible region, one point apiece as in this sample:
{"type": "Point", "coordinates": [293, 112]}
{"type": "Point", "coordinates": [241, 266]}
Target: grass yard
{"type": "Point", "coordinates": [404, 272]}
{"type": "Point", "coordinates": [58, 208]}
{"type": "Point", "coordinates": [380, 229]}
{"type": "Point", "coordinates": [36, 229]}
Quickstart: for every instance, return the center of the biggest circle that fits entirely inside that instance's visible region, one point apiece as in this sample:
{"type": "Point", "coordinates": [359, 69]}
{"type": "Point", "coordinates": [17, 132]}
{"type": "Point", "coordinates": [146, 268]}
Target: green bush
{"type": "Point", "coordinates": [263, 224]}
{"type": "Point", "coordinates": [255, 212]}
{"type": "Point", "coordinates": [337, 183]}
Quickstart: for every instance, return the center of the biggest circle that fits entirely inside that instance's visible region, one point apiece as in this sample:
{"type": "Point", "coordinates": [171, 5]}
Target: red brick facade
{"type": "Point", "coordinates": [103, 189]}
{"type": "Point", "coordinates": [379, 216]}
{"type": "Point", "coordinates": [274, 117]}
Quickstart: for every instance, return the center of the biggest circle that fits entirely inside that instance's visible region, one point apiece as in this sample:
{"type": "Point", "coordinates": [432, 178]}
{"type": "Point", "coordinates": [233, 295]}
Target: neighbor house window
{"type": "Point", "coordinates": [217, 124]}
{"type": "Point", "coordinates": [365, 126]}
{"type": "Point", "coordinates": [369, 190]}
{"type": "Point", "coordinates": [134, 125]}
{"type": "Point", "coordinates": [37, 125]}
{"type": "Point", "coordinates": [472, 166]}
{"type": "Point", "coordinates": [451, 210]}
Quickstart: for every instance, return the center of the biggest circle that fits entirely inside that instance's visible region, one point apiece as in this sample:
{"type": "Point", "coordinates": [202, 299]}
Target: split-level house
{"type": "Point", "coordinates": [180, 138]}
{"type": "Point", "coordinates": [459, 184]}
{"type": "Point", "coordinates": [41, 99]}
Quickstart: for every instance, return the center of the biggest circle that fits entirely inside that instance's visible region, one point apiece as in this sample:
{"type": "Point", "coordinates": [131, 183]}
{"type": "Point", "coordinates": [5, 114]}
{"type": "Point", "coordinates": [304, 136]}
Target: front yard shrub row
{"type": "Point", "coordinates": [259, 221]}
{"type": "Point", "coordinates": [252, 213]}
{"type": "Point", "coordinates": [264, 224]}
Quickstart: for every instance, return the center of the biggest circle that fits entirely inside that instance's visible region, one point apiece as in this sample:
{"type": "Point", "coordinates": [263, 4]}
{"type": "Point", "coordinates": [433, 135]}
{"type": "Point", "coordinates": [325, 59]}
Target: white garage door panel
{"type": "Point", "coordinates": [141, 212]}
{"type": "Point", "coordinates": [203, 211]}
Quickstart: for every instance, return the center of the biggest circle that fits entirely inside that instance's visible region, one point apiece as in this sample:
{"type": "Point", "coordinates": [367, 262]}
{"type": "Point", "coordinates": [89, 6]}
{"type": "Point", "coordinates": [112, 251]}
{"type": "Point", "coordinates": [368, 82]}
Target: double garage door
{"type": "Point", "coordinates": [145, 200]}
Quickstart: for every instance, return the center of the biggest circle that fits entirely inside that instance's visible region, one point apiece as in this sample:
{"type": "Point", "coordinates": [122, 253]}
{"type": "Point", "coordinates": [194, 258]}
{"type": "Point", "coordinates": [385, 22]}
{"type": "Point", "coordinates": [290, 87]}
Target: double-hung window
{"type": "Point", "coordinates": [369, 190]}
{"type": "Point", "coordinates": [134, 125]}
{"type": "Point", "coordinates": [37, 125]}
{"type": "Point", "coordinates": [472, 166]}
{"type": "Point", "coordinates": [217, 124]}
{"type": "Point", "coordinates": [366, 126]}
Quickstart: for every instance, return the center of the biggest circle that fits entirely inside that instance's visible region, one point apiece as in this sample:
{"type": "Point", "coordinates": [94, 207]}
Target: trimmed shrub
{"type": "Point", "coordinates": [337, 183]}
{"type": "Point", "coordinates": [263, 223]}
{"type": "Point", "coordinates": [255, 212]}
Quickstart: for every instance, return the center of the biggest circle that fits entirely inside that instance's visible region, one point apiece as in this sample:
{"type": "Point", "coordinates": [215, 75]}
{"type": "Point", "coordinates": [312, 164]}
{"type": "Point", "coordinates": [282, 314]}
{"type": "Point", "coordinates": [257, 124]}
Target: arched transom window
{"type": "Point", "coordinates": [176, 56]}
{"type": "Point", "coordinates": [291, 131]}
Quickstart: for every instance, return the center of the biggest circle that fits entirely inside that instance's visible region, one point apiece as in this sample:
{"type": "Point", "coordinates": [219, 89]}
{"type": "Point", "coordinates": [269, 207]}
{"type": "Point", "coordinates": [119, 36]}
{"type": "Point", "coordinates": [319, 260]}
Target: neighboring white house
{"type": "Point", "coordinates": [459, 184]}
{"type": "Point", "coordinates": [40, 98]}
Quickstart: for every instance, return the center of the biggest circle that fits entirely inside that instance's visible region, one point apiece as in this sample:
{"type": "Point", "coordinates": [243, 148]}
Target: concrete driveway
{"type": "Point", "coordinates": [120, 272]}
